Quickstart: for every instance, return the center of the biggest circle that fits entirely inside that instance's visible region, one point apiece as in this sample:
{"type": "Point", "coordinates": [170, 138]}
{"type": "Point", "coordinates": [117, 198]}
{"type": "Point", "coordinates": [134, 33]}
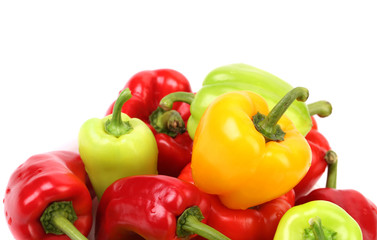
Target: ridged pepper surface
{"type": "Point", "coordinates": [47, 198]}
{"type": "Point", "coordinates": [246, 154]}
{"type": "Point", "coordinates": [155, 207]}
{"type": "Point", "coordinates": [169, 127]}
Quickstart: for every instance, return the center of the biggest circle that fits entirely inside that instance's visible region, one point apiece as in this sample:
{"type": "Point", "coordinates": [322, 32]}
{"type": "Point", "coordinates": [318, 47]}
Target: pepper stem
{"type": "Point", "coordinates": [116, 126]}
{"type": "Point", "coordinates": [169, 122]}
{"type": "Point", "coordinates": [166, 102]}
{"type": "Point", "coordinates": [320, 108]}
{"type": "Point", "coordinates": [189, 223]}
{"type": "Point", "coordinates": [317, 231]}
{"type": "Point", "coordinates": [316, 226]}
{"type": "Point", "coordinates": [58, 219]}
{"type": "Point", "coordinates": [267, 125]}
{"type": "Point", "coordinates": [332, 168]}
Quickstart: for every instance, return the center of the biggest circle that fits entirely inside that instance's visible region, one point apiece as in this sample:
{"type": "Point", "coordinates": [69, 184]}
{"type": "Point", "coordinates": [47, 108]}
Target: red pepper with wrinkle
{"type": "Point", "coordinates": [319, 147]}
{"type": "Point", "coordinates": [47, 198]}
{"type": "Point", "coordinates": [353, 202]}
{"type": "Point", "coordinates": [259, 222]}
{"type": "Point", "coordinates": [169, 127]}
{"type": "Point", "coordinates": [148, 206]}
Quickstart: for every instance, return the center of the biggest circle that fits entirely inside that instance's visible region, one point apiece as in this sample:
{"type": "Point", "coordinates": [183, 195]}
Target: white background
{"type": "Point", "coordinates": [63, 62]}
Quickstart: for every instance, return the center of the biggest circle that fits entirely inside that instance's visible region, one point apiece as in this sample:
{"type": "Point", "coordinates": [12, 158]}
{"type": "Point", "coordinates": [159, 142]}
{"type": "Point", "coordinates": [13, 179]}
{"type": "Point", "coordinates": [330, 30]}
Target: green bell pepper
{"type": "Point", "coordinates": [116, 146]}
{"type": "Point", "coordinates": [244, 77]}
{"type": "Point", "coordinates": [317, 220]}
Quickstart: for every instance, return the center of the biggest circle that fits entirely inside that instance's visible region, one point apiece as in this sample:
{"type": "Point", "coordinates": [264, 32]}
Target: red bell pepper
{"type": "Point", "coordinates": [259, 222]}
{"type": "Point", "coordinates": [353, 202]}
{"type": "Point", "coordinates": [319, 147]}
{"type": "Point", "coordinates": [173, 141]}
{"type": "Point", "coordinates": [147, 207]}
{"type": "Point", "coordinates": [46, 198]}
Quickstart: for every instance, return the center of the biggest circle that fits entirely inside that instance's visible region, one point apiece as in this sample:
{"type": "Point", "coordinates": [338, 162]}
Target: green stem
{"type": "Point", "coordinates": [332, 168]}
{"type": "Point", "coordinates": [58, 219]}
{"type": "Point", "coordinates": [169, 122]}
{"type": "Point", "coordinates": [67, 227]}
{"type": "Point", "coordinates": [316, 226]}
{"type": "Point", "coordinates": [267, 125]}
{"type": "Point", "coordinates": [116, 126]}
{"type": "Point", "coordinates": [166, 102]}
{"type": "Point", "coordinates": [320, 108]}
{"type": "Point", "coordinates": [189, 223]}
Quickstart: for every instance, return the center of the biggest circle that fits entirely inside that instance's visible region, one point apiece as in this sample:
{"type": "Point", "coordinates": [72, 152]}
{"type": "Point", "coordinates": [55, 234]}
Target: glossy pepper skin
{"type": "Point", "coordinates": [353, 202]}
{"type": "Point", "coordinates": [148, 88]}
{"type": "Point", "coordinates": [259, 222]}
{"type": "Point", "coordinates": [235, 161]}
{"type": "Point", "coordinates": [319, 147]}
{"type": "Point", "coordinates": [40, 181]}
{"type": "Point", "coordinates": [147, 207]}
{"type": "Point", "coordinates": [235, 77]}
{"type": "Point", "coordinates": [317, 218]}
{"type": "Point", "coordinates": [116, 146]}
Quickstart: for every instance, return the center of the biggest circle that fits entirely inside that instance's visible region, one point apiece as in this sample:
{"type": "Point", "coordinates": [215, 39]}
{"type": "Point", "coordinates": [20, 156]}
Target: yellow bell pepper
{"type": "Point", "coordinates": [247, 155]}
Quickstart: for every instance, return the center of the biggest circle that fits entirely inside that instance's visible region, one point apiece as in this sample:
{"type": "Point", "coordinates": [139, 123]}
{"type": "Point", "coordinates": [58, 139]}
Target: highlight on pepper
{"type": "Point", "coordinates": [239, 159]}
{"type": "Point", "coordinates": [246, 154]}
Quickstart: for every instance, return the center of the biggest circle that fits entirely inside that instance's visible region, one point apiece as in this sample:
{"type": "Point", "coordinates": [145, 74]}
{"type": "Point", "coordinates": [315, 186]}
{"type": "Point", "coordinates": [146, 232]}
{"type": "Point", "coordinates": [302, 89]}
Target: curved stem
{"type": "Point", "coordinates": [320, 108]}
{"type": "Point", "coordinates": [166, 102]}
{"type": "Point", "coordinates": [299, 94]}
{"type": "Point", "coordinates": [189, 223]}
{"type": "Point", "coordinates": [267, 125]}
{"type": "Point", "coordinates": [316, 226]}
{"type": "Point", "coordinates": [332, 168]}
{"type": "Point", "coordinates": [116, 126]}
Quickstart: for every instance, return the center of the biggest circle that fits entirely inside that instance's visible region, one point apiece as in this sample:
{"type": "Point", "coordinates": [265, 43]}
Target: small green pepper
{"type": "Point", "coordinates": [317, 220]}
{"type": "Point", "coordinates": [236, 77]}
{"type": "Point", "coordinates": [116, 146]}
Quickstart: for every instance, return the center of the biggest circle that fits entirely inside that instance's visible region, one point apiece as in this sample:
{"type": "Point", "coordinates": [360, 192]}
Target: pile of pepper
{"type": "Point", "coordinates": [239, 159]}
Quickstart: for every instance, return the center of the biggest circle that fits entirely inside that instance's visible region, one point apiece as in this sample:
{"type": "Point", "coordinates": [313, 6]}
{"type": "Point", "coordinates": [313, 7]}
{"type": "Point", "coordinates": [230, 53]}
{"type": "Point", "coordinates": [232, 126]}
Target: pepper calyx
{"type": "Point", "coordinates": [64, 209]}
{"type": "Point", "coordinates": [189, 223]}
{"type": "Point", "coordinates": [273, 134]}
{"type": "Point", "coordinates": [317, 231]}
{"type": "Point", "coordinates": [267, 125]}
{"type": "Point", "coordinates": [116, 130]}
{"type": "Point", "coordinates": [58, 219]}
{"type": "Point", "coordinates": [169, 122]}
{"type": "Point", "coordinates": [192, 212]}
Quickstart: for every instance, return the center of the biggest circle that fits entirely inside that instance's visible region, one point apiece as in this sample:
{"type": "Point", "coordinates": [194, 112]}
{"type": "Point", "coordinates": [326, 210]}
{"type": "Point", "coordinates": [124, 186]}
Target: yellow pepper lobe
{"type": "Point", "coordinates": [232, 159]}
